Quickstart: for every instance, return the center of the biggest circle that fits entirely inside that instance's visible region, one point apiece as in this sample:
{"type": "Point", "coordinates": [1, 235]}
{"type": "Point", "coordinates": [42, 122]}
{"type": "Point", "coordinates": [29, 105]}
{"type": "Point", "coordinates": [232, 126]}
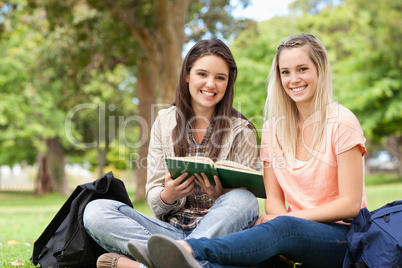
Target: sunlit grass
{"type": "Point", "coordinates": [23, 217]}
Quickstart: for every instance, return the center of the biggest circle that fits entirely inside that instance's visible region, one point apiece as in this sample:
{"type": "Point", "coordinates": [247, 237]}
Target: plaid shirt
{"type": "Point", "coordinates": [197, 204]}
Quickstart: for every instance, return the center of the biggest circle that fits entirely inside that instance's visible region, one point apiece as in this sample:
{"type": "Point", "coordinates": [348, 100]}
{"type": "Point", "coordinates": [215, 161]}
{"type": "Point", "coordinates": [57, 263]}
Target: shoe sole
{"type": "Point", "coordinates": [140, 253]}
{"type": "Point", "coordinates": [167, 253]}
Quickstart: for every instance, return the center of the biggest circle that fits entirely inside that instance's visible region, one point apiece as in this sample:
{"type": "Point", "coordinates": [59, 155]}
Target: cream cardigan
{"type": "Point", "coordinates": [240, 146]}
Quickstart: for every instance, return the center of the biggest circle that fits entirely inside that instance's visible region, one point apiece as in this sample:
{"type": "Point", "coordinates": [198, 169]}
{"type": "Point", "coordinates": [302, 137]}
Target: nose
{"type": "Point", "coordinates": [210, 83]}
{"type": "Point", "coordinates": [294, 79]}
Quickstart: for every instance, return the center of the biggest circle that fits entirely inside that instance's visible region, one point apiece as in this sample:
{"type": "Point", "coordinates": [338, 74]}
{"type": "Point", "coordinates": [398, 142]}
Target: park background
{"type": "Point", "coordinates": [81, 82]}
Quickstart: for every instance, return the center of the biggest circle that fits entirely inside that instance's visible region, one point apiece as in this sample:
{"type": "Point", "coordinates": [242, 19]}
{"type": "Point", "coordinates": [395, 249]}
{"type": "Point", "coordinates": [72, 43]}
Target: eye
{"type": "Point", "coordinates": [222, 78]}
{"type": "Point", "coordinates": [303, 69]}
{"type": "Point", "coordinates": [284, 72]}
{"type": "Point", "coordinates": [202, 74]}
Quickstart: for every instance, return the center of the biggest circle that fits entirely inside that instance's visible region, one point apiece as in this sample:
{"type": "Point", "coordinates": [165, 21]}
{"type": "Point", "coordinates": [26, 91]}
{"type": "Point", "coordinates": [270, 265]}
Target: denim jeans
{"type": "Point", "coordinates": [113, 224]}
{"type": "Point", "coordinates": [311, 243]}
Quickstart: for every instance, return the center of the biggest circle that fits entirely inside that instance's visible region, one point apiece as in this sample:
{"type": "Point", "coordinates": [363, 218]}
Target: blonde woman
{"type": "Point", "coordinates": [312, 149]}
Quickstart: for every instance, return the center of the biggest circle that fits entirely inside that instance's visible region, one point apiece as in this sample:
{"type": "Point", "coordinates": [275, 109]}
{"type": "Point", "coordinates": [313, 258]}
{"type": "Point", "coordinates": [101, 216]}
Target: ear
{"type": "Point", "coordinates": [187, 78]}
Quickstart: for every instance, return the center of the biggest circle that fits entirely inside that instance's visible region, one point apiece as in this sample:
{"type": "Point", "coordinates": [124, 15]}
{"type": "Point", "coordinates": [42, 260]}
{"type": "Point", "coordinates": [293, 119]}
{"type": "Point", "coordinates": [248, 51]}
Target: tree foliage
{"type": "Point", "coordinates": [365, 55]}
{"type": "Point", "coordinates": [363, 42]}
{"type": "Point", "coordinates": [18, 53]}
{"type": "Point", "coordinates": [254, 51]}
{"type": "Point", "coordinates": [86, 54]}
{"type": "Point", "coordinates": [49, 69]}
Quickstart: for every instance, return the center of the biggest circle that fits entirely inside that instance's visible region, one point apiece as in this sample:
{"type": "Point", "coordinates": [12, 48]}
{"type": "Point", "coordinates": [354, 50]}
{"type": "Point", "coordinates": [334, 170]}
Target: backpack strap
{"type": "Point", "coordinates": [386, 211]}
{"type": "Point", "coordinates": [44, 238]}
{"type": "Point", "coordinates": [360, 264]}
{"type": "Point", "coordinates": [91, 185]}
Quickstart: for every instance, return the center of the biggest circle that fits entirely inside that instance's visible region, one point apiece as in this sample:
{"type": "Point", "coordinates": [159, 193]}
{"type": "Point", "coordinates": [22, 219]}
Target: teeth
{"type": "Point", "coordinates": [209, 94]}
{"type": "Point", "coordinates": [298, 89]}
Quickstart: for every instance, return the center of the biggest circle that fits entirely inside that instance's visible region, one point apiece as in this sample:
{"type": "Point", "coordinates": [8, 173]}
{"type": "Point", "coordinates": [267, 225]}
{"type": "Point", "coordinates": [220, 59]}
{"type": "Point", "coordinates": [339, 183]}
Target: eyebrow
{"type": "Point", "coordinates": [298, 66]}
{"type": "Point", "coordinates": [202, 70]}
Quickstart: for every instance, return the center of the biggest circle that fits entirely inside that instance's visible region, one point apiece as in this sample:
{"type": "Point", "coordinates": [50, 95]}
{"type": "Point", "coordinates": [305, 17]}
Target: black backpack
{"type": "Point", "coordinates": [65, 242]}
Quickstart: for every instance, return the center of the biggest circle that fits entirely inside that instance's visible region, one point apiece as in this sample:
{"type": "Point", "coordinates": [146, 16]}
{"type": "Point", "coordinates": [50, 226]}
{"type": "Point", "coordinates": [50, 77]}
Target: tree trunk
{"type": "Point", "coordinates": [171, 37]}
{"type": "Point", "coordinates": [102, 148]}
{"type": "Point", "coordinates": [147, 96]}
{"type": "Point", "coordinates": [367, 169]}
{"type": "Point", "coordinates": [51, 174]}
{"type": "Point", "coordinates": [101, 159]}
{"type": "Point", "coordinates": [162, 45]}
{"type": "Point", "coordinates": [394, 147]}
{"type": "Point", "coordinates": [102, 138]}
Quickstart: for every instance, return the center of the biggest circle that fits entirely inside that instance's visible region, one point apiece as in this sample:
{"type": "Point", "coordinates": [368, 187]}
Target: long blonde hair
{"type": "Point", "coordinates": [281, 110]}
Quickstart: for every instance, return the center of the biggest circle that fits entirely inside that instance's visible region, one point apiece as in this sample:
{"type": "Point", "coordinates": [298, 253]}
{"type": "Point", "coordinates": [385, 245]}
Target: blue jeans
{"type": "Point", "coordinates": [311, 243]}
{"type": "Point", "coordinates": [113, 224]}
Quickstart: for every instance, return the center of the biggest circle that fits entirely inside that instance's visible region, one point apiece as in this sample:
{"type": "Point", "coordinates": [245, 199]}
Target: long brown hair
{"type": "Point", "coordinates": [224, 109]}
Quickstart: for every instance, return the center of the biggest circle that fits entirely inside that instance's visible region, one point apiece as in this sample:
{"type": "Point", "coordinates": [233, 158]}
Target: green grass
{"type": "Point", "coordinates": [24, 216]}
{"type": "Point", "coordinates": [383, 188]}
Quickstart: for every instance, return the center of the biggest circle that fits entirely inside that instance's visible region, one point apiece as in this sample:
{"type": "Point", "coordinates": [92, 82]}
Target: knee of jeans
{"type": "Point", "coordinates": [89, 213]}
{"type": "Point", "coordinates": [93, 212]}
{"type": "Point", "coordinates": [244, 200]}
{"type": "Point", "coordinates": [283, 223]}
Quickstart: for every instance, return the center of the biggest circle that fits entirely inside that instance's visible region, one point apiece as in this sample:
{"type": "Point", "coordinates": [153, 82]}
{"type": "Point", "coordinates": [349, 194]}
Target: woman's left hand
{"type": "Point", "coordinates": [214, 191]}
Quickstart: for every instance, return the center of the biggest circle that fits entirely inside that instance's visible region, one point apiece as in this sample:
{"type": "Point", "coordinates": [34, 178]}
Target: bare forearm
{"type": "Point", "coordinates": [337, 210]}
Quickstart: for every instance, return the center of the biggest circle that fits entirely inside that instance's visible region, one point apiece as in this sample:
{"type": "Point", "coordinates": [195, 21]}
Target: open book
{"type": "Point", "coordinates": [230, 174]}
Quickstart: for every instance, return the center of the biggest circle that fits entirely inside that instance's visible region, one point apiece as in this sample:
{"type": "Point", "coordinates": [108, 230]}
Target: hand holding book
{"type": "Point", "coordinates": [230, 174]}
{"type": "Point", "coordinates": [177, 188]}
{"type": "Point", "coordinates": [213, 190]}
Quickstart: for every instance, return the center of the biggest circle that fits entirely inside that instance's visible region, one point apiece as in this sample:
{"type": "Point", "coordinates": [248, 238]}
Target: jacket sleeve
{"type": "Point", "coordinates": [244, 148]}
{"type": "Point", "coordinates": [157, 170]}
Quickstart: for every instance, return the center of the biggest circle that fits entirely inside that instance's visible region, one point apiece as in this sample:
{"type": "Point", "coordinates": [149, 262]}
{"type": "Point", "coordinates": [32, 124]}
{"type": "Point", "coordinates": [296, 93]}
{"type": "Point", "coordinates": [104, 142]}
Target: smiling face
{"type": "Point", "coordinates": [207, 82]}
{"type": "Point", "coordinates": [299, 75]}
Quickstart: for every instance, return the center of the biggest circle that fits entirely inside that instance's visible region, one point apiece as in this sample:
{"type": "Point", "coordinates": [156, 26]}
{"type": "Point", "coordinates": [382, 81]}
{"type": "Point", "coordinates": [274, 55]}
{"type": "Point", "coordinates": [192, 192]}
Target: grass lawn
{"type": "Point", "coordinates": [23, 216]}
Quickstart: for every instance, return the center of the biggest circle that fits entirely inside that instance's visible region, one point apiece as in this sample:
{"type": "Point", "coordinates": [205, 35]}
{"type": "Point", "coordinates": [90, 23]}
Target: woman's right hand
{"type": "Point", "coordinates": [175, 189]}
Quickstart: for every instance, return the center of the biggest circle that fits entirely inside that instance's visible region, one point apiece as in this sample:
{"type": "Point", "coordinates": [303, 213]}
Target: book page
{"type": "Point", "coordinates": [231, 174]}
{"type": "Point", "coordinates": [195, 159]}
{"type": "Point", "coordinates": [235, 166]}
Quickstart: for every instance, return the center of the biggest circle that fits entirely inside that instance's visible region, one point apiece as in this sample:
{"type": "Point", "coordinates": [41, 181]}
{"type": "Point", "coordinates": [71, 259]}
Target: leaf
{"type": "Point", "coordinates": [13, 242]}
{"type": "Point", "coordinates": [17, 263]}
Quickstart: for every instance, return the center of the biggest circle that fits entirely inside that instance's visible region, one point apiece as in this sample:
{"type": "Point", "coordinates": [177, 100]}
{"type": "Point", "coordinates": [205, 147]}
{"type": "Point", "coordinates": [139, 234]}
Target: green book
{"type": "Point", "coordinates": [230, 174]}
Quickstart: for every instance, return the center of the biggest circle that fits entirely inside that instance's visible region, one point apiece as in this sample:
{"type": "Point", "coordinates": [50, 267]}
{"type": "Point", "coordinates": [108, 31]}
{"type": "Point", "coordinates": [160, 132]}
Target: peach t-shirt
{"type": "Point", "coordinates": [316, 182]}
